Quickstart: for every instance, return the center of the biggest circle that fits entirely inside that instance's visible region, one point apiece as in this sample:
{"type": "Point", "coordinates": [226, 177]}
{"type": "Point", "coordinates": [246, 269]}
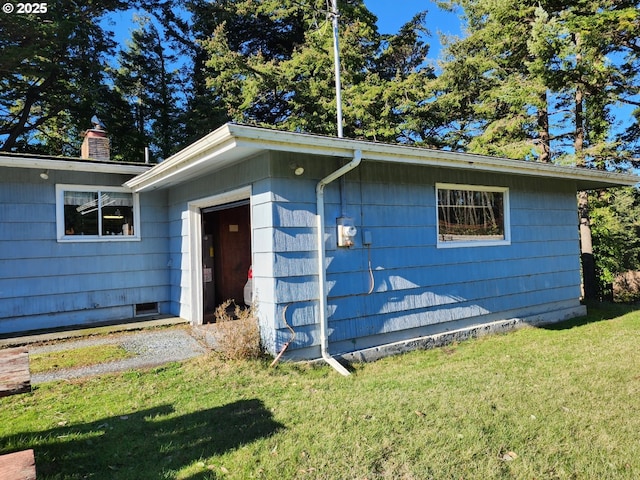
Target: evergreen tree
{"type": "Point", "coordinates": [284, 76]}
{"type": "Point", "coordinates": [51, 75]}
{"type": "Point", "coordinates": [187, 26]}
{"type": "Point", "coordinates": [615, 214]}
{"type": "Point", "coordinates": [528, 62]}
{"type": "Point", "coordinates": [530, 79]}
{"type": "Point", "coordinates": [497, 104]}
{"type": "Point", "coordinates": [147, 78]}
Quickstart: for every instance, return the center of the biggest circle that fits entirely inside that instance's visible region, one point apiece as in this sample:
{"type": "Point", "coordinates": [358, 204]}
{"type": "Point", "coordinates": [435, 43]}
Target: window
{"type": "Point", "coordinates": [88, 213]}
{"type": "Point", "coordinates": [470, 215]}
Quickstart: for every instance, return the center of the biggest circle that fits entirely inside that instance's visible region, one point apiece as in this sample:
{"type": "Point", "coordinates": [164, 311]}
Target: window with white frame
{"type": "Point", "coordinates": [472, 215]}
{"type": "Point", "coordinates": [92, 213]}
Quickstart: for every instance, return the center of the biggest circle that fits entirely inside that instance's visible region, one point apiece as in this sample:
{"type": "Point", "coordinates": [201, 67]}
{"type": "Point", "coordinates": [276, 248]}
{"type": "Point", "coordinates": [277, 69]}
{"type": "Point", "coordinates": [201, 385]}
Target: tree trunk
{"type": "Point", "coordinates": [543, 129]}
{"type": "Point", "coordinates": [32, 96]}
{"type": "Point", "coordinates": [589, 278]}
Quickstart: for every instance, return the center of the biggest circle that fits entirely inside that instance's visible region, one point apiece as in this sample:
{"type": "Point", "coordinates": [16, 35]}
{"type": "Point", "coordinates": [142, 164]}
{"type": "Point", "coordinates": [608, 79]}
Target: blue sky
{"type": "Point", "coordinates": [392, 14]}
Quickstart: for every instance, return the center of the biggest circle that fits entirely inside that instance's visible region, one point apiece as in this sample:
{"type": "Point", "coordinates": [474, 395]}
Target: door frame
{"type": "Point", "coordinates": [195, 243]}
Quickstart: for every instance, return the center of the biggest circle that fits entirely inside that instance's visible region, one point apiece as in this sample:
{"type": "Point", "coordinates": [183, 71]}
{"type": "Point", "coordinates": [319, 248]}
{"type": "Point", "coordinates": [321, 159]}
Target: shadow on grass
{"type": "Point", "coordinates": [153, 443]}
{"type": "Point", "coordinates": [596, 312]}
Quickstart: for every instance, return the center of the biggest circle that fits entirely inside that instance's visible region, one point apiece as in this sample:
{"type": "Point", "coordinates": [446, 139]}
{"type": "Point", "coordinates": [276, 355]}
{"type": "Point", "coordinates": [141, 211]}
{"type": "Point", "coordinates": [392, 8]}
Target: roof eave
{"type": "Point", "coordinates": [233, 142]}
{"type": "Point", "coordinates": [586, 179]}
{"type": "Point", "coordinates": [71, 165]}
{"type": "Point", "coordinates": [198, 153]}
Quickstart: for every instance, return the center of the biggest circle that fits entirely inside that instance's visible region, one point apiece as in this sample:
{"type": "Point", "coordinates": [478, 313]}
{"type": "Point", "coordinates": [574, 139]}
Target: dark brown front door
{"type": "Point", "coordinates": [234, 257]}
{"type": "Point", "coordinates": [230, 229]}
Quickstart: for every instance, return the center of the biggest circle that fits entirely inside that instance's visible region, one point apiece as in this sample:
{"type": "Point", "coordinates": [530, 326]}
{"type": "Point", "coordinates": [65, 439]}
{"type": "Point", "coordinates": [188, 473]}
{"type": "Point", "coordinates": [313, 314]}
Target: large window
{"type": "Point", "coordinates": [470, 215]}
{"type": "Point", "coordinates": [88, 213]}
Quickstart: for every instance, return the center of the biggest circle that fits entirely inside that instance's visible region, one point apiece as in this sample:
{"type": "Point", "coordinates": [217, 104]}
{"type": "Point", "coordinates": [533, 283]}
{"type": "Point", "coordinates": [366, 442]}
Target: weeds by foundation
{"type": "Point", "coordinates": [237, 333]}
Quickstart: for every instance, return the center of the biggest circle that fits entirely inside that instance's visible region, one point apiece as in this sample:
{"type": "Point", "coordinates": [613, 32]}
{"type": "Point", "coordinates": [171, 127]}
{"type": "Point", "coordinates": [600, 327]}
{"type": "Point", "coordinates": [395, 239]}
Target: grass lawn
{"type": "Point", "coordinates": [79, 357]}
{"type": "Point", "coordinates": [539, 403]}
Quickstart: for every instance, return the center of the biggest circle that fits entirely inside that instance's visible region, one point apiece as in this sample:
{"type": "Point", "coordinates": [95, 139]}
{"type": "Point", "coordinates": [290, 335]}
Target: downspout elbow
{"type": "Point", "coordinates": [357, 158]}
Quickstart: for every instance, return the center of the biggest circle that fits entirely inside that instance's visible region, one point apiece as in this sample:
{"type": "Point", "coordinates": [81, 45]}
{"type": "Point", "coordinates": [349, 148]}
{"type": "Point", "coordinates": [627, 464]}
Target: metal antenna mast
{"type": "Point", "coordinates": [336, 60]}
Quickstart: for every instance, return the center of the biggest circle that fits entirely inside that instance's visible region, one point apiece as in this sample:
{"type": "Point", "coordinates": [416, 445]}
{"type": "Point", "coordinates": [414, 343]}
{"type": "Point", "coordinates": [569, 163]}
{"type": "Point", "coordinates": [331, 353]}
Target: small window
{"type": "Point", "coordinates": [96, 213]}
{"type": "Point", "coordinates": [470, 215]}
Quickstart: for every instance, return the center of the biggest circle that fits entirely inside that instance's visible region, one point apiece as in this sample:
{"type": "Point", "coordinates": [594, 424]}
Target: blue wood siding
{"type": "Point", "coordinates": [418, 288]}
{"type": "Point", "coordinates": [45, 284]}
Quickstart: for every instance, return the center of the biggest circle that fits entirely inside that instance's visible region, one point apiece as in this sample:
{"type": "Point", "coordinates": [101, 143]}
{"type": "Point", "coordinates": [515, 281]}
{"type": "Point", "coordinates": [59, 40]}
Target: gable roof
{"type": "Point", "coordinates": [232, 143]}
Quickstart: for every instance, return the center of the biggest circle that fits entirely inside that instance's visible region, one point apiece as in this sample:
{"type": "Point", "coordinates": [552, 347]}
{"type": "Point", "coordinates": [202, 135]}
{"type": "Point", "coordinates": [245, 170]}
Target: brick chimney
{"type": "Point", "coordinates": [96, 144]}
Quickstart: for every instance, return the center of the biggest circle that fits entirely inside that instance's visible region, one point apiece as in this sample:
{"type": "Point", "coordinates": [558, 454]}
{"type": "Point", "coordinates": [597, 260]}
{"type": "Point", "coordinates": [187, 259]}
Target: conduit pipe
{"type": "Point", "coordinates": [293, 336]}
{"type": "Point", "coordinates": [322, 273]}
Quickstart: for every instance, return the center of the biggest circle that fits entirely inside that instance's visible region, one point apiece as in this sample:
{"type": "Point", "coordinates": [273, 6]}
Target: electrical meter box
{"type": "Point", "coordinates": [346, 231]}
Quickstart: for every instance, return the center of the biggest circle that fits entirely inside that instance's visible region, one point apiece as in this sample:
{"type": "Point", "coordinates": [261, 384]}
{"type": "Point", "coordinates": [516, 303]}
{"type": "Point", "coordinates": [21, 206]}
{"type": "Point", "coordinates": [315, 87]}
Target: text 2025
{"type": "Point", "coordinates": [31, 8]}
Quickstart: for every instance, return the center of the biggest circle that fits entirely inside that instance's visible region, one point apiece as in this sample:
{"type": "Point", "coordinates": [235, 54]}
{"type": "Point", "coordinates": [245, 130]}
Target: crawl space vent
{"type": "Point", "coordinates": [143, 309]}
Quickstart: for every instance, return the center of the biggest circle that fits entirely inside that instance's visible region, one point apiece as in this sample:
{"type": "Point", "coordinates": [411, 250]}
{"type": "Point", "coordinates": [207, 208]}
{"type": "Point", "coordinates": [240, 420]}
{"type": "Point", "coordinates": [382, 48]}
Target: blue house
{"type": "Point", "coordinates": [357, 246]}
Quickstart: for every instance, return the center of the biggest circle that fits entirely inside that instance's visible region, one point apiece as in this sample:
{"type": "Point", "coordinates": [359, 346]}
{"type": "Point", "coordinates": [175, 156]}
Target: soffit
{"type": "Point", "coordinates": [233, 143]}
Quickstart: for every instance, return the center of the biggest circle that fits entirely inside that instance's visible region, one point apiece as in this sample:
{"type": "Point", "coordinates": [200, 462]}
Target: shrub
{"type": "Point", "coordinates": [236, 331]}
{"type": "Point", "coordinates": [626, 287]}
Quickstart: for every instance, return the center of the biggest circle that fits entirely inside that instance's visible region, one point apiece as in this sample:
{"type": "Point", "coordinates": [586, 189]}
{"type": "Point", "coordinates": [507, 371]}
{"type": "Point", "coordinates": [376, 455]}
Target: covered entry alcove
{"type": "Point", "coordinates": [226, 254]}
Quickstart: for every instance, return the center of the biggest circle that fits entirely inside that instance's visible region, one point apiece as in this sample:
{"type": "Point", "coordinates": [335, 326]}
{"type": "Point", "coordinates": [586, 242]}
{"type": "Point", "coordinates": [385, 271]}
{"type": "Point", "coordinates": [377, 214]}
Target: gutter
{"type": "Point", "coordinates": [322, 273]}
{"type": "Point", "coordinates": [72, 165]}
{"type": "Point", "coordinates": [232, 143]}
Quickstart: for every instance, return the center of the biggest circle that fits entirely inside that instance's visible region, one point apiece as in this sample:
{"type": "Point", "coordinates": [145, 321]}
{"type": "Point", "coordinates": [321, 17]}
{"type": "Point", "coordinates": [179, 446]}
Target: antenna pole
{"type": "Point", "coordinates": [336, 60]}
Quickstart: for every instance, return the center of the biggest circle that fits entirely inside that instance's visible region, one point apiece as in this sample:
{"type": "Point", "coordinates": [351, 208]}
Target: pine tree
{"type": "Point", "coordinates": [51, 76]}
{"type": "Point", "coordinates": [536, 80]}
{"type": "Point", "coordinates": [271, 63]}
{"type": "Point", "coordinates": [147, 78]}
{"type": "Point", "coordinates": [187, 25]}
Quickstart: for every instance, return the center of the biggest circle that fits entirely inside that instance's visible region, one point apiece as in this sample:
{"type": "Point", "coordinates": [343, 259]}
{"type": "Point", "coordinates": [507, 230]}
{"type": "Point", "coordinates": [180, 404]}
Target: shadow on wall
{"type": "Point", "coordinates": [146, 444]}
{"type": "Point", "coordinates": [404, 302]}
{"type": "Point", "coordinates": [394, 304]}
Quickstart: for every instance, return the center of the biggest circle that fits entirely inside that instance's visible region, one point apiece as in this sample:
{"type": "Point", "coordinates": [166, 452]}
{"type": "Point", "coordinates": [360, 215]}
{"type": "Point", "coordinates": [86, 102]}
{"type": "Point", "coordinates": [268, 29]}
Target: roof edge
{"type": "Point", "coordinates": [71, 164]}
{"type": "Point", "coordinates": [236, 136]}
{"type": "Point", "coordinates": [201, 150]}
{"type": "Point", "coordinates": [586, 178]}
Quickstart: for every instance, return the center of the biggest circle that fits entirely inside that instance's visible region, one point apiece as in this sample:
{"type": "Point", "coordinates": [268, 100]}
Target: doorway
{"type": "Point", "coordinates": [226, 254]}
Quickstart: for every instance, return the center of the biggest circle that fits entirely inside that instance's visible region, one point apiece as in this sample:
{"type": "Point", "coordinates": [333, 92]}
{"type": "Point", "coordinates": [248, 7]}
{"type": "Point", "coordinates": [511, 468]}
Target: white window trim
{"type": "Point", "coordinates": [61, 237]}
{"type": "Point", "coordinates": [475, 243]}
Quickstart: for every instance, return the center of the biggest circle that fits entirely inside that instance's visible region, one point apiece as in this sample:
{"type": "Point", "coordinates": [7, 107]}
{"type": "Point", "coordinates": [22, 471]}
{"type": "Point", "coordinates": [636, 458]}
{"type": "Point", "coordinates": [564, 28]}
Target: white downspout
{"type": "Point", "coordinates": [322, 274]}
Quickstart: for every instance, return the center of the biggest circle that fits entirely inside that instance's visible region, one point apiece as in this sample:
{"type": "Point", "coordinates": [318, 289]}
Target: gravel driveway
{"type": "Point", "coordinates": [150, 347]}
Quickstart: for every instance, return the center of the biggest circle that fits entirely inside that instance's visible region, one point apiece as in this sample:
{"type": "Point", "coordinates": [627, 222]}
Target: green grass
{"type": "Point", "coordinates": [564, 400]}
{"type": "Point", "coordinates": [78, 357]}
